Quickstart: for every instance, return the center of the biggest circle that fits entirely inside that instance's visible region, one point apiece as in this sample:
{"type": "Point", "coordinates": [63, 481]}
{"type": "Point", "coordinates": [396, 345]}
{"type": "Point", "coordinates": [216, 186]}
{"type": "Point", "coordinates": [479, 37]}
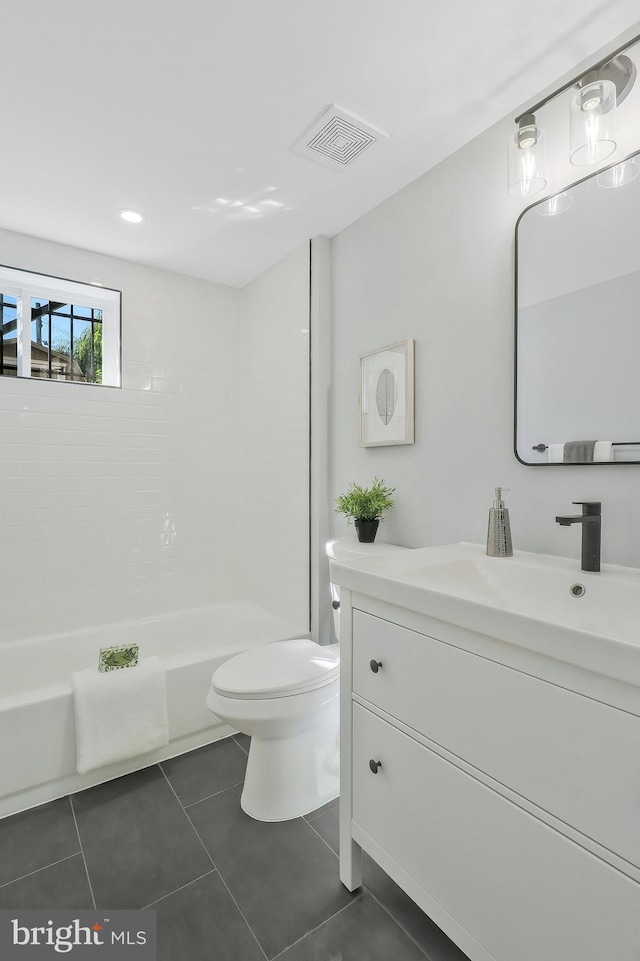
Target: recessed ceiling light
{"type": "Point", "coordinates": [132, 216]}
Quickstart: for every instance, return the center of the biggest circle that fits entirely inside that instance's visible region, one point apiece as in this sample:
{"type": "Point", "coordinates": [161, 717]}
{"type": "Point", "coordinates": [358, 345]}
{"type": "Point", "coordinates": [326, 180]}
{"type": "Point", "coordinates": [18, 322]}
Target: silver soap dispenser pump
{"type": "Point", "coordinates": [499, 533]}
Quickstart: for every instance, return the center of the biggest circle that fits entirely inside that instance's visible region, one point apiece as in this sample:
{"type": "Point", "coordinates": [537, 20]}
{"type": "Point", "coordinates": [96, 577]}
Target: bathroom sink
{"type": "Point", "coordinates": [538, 601]}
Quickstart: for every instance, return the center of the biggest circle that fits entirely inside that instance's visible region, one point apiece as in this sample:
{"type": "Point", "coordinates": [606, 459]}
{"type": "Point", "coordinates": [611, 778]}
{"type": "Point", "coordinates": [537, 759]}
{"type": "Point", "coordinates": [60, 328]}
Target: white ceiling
{"type": "Point", "coordinates": [187, 111]}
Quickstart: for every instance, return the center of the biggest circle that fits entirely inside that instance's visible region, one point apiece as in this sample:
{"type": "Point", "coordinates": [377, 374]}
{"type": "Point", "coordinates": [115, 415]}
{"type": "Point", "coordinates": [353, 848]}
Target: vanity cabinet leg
{"type": "Point", "coordinates": [350, 864]}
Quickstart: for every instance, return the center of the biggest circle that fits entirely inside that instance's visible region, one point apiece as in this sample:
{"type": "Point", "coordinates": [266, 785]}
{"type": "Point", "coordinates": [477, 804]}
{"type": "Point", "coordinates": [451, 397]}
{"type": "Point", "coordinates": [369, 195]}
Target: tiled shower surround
{"type": "Point", "coordinates": [125, 503]}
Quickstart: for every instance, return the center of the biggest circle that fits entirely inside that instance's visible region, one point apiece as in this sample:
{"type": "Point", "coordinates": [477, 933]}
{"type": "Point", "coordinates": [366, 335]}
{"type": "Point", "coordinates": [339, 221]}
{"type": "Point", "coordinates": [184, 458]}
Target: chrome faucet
{"type": "Point", "coordinates": [591, 525]}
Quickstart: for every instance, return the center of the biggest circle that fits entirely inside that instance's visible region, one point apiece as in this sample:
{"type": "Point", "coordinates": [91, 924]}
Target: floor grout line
{"type": "Point", "coordinates": [75, 821]}
{"type": "Point", "coordinates": [181, 888]}
{"type": "Point", "coordinates": [206, 798]}
{"type": "Point", "coordinates": [191, 824]}
{"type": "Point", "coordinates": [335, 853]}
{"type": "Point", "coordinates": [209, 796]}
{"type": "Point", "coordinates": [378, 902]}
{"type": "Point", "coordinates": [355, 897]}
{"type": "Point", "coordinates": [29, 874]}
{"type": "Point", "coordinates": [240, 912]}
{"type": "Point", "coordinates": [313, 815]}
{"type": "Point", "coordinates": [402, 928]}
{"type": "Point", "coordinates": [240, 745]}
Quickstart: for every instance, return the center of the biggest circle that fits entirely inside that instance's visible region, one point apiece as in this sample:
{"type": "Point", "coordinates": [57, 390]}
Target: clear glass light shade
{"type": "Point", "coordinates": [623, 173]}
{"type": "Point", "coordinates": [592, 117]}
{"type": "Point", "coordinates": [555, 205]}
{"type": "Point", "coordinates": [527, 161]}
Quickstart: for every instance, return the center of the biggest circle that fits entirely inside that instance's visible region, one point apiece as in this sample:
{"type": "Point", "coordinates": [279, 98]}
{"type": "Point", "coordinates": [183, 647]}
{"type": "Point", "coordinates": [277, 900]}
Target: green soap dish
{"type": "Point", "coordinates": [113, 658]}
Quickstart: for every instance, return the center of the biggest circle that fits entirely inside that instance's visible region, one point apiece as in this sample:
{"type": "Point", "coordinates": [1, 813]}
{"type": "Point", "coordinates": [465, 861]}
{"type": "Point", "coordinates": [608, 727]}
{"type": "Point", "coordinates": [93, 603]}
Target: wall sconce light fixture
{"type": "Point", "coordinates": [592, 109]}
{"type": "Point", "coordinates": [592, 114]}
{"type": "Point", "coordinates": [527, 158]}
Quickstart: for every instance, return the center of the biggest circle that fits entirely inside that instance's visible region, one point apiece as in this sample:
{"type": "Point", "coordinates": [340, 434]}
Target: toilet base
{"type": "Point", "coordinates": [292, 776]}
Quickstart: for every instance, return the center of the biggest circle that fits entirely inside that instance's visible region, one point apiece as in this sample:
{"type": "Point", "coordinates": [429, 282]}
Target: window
{"type": "Point", "coordinates": [58, 329]}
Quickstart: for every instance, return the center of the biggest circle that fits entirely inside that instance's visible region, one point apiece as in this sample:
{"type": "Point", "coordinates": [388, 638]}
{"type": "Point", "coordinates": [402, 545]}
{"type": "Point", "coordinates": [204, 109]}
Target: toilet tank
{"type": "Point", "coordinates": [348, 548]}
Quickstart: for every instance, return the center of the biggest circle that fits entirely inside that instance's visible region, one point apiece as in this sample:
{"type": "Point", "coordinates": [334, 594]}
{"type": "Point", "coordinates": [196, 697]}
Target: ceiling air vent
{"type": "Point", "coordinates": [336, 139]}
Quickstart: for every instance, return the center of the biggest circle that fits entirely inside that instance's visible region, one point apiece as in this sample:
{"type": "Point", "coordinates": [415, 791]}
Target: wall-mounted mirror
{"type": "Point", "coordinates": [578, 323]}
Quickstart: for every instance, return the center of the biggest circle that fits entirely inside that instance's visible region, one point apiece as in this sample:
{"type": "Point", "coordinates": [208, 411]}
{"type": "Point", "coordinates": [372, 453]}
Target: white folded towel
{"type": "Point", "coordinates": [556, 453]}
{"type": "Point", "coordinates": [603, 450]}
{"type": "Point", "coordinates": [119, 714]}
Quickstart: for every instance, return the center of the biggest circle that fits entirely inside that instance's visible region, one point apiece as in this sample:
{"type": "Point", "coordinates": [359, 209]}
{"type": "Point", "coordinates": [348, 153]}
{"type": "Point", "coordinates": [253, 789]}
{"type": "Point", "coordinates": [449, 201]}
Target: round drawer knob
{"type": "Point", "coordinates": [374, 765]}
{"type": "Point", "coordinates": [375, 666]}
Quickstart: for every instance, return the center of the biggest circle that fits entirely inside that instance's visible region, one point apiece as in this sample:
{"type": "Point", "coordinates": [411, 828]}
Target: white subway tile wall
{"type": "Point", "coordinates": [275, 428]}
{"type": "Point", "coordinates": [124, 503]}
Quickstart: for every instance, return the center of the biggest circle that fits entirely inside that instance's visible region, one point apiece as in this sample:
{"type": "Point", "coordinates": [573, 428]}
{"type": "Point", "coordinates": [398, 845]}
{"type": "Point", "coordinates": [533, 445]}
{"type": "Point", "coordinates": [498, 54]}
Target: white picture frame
{"type": "Point", "coordinates": [386, 401]}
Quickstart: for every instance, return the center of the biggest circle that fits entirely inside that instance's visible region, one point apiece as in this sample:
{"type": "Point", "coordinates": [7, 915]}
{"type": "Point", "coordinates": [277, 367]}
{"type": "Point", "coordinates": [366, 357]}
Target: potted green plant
{"type": "Point", "coordinates": [365, 505]}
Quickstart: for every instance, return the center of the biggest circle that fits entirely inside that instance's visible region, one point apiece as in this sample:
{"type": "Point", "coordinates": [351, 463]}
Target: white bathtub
{"type": "Point", "coordinates": [37, 722]}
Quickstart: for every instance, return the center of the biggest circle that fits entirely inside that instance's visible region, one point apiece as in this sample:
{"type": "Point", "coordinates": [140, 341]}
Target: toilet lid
{"type": "Point", "coordinates": [276, 670]}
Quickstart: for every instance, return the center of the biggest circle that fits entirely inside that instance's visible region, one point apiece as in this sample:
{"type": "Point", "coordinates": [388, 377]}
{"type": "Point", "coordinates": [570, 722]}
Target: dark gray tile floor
{"type": "Point", "coordinates": [174, 839]}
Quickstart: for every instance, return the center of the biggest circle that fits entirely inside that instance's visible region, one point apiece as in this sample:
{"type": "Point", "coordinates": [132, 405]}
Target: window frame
{"type": "Point", "coordinates": [26, 285]}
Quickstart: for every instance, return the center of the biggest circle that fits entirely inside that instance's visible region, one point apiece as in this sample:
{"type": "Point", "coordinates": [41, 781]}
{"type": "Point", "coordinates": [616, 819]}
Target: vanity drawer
{"type": "Point", "coordinates": [559, 749]}
{"type": "Point", "coordinates": [494, 868]}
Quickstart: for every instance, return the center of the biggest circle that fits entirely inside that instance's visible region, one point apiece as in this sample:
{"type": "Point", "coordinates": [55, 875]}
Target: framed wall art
{"type": "Point", "coordinates": [386, 396]}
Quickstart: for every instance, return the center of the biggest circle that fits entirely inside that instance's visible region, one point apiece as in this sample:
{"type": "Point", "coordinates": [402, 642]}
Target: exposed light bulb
{"type": "Point", "coordinates": [592, 103]}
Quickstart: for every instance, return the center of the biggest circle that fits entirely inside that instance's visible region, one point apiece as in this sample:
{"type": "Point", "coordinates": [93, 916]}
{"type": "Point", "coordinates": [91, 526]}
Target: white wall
{"type": "Point", "coordinates": [275, 430]}
{"type": "Point", "coordinates": [124, 503]}
{"type": "Point", "coordinates": [435, 262]}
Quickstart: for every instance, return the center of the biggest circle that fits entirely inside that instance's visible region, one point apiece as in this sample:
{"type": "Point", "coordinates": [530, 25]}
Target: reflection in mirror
{"type": "Point", "coordinates": [578, 323]}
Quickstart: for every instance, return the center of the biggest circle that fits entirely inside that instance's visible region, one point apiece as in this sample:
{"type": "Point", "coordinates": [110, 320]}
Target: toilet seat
{"type": "Point", "coordinates": [281, 669]}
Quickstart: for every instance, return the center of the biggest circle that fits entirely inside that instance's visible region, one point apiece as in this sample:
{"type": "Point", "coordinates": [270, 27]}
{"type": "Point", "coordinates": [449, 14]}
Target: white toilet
{"type": "Point", "coordinates": [286, 697]}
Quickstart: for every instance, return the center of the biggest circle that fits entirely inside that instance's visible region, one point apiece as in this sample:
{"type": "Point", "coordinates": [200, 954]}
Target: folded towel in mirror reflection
{"type": "Point", "coordinates": [119, 714]}
{"type": "Point", "coordinates": [581, 452]}
{"type": "Point", "coordinates": [555, 453]}
{"type": "Point", "coordinates": [603, 451]}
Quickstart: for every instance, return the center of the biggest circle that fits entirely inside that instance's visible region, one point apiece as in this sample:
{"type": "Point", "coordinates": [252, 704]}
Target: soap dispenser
{"type": "Point", "coordinates": [499, 533]}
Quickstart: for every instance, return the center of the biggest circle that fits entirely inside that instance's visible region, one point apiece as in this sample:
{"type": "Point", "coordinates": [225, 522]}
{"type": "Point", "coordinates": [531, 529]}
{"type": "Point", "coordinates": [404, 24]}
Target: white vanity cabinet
{"type": "Point", "coordinates": [506, 805]}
